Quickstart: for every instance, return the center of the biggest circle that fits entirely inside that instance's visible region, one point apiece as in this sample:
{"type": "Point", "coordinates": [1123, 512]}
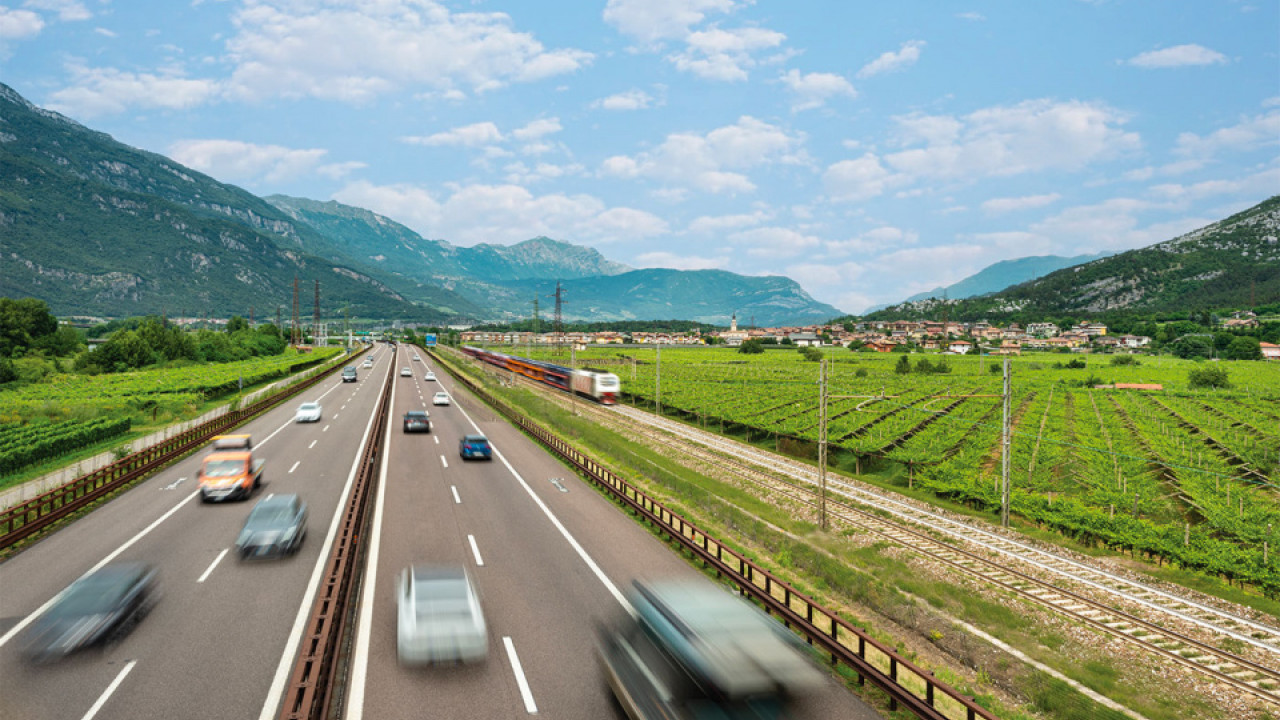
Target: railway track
{"type": "Point", "coordinates": [769, 470]}
{"type": "Point", "coordinates": [799, 480]}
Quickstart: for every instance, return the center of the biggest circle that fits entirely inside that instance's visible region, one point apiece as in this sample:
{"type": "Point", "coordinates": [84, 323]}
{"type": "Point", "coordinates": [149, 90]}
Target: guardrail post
{"type": "Point", "coordinates": [893, 675]}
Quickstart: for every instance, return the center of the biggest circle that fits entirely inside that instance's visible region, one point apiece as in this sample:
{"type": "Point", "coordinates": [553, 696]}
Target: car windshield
{"type": "Point", "coordinates": [415, 415]}
{"type": "Point", "coordinates": [478, 440]}
{"type": "Point", "coordinates": [223, 468]}
{"type": "Point", "coordinates": [441, 598]}
{"type": "Point", "coordinates": [93, 595]}
{"type": "Point", "coordinates": [266, 517]}
{"type": "Point", "coordinates": [441, 396]}
{"type": "Point", "coordinates": [308, 407]}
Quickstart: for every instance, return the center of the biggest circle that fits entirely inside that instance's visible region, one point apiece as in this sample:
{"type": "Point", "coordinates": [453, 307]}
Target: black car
{"type": "Point", "coordinates": [276, 526]}
{"type": "Point", "coordinates": [96, 608]}
{"type": "Point", "coordinates": [475, 446]}
{"type": "Point", "coordinates": [417, 421]}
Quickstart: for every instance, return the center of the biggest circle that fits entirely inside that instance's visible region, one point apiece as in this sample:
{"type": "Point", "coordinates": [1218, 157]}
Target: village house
{"type": "Point", "coordinates": [1270, 351]}
{"type": "Point", "coordinates": [1090, 329]}
{"type": "Point", "coordinates": [960, 347]}
{"type": "Point", "coordinates": [805, 339]}
{"type": "Point", "coordinates": [1042, 329]}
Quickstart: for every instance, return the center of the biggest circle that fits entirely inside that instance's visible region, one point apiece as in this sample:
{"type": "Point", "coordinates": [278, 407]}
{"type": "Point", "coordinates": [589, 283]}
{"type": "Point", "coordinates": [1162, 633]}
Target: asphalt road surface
{"type": "Point", "coordinates": [552, 560]}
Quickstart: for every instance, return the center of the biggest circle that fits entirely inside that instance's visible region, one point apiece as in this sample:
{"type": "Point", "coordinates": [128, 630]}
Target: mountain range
{"type": "Point", "coordinates": [1233, 263]}
{"type": "Point", "coordinates": [998, 276]}
{"type": "Point", "coordinates": [95, 227]}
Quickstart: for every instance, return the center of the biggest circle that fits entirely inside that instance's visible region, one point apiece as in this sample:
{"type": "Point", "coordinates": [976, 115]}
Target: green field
{"type": "Point", "coordinates": [69, 413]}
{"type": "Point", "coordinates": [1176, 474]}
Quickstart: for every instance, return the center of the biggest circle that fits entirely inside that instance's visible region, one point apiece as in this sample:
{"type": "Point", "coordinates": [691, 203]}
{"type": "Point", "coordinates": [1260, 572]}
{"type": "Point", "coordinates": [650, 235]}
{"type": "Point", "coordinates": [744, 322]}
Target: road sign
{"type": "Point", "coordinates": [429, 339]}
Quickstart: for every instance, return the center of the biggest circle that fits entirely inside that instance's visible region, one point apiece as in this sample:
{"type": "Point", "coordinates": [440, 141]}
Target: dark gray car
{"type": "Point", "coordinates": [276, 526]}
{"type": "Point", "coordinates": [96, 608]}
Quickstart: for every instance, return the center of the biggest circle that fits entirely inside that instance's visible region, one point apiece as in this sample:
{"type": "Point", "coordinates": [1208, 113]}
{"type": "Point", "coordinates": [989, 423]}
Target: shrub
{"type": "Point", "coordinates": [1125, 360]}
{"type": "Point", "coordinates": [1208, 377]}
{"type": "Point", "coordinates": [751, 347]}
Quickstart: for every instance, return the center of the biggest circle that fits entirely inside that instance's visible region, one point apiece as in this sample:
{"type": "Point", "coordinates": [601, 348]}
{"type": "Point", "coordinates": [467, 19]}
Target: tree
{"type": "Point", "coordinates": [1192, 346]}
{"type": "Point", "coordinates": [751, 347]}
{"type": "Point", "coordinates": [22, 322]}
{"type": "Point", "coordinates": [1244, 348]}
{"type": "Point", "coordinates": [904, 365]}
{"type": "Point", "coordinates": [812, 354]}
{"type": "Point", "coordinates": [1213, 376]}
{"type": "Point", "coordinates": [236, 324]}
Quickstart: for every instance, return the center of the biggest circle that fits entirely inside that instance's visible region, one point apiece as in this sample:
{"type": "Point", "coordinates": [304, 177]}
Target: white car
{"type": "Point", "coordinates": [417, 358]}
{"type": "Point", "coordinates": [308, 412]}
{"type": "Point", "coordinates": [439, 617]}
{"type": "Point", "coordinates": [406, 372]}
{"type": "Point", "coordinates": [440, 398]}
{"type": "Point", "coordinates": [430, 376]}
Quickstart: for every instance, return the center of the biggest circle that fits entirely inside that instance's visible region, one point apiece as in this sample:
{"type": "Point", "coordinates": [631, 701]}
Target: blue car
{"type": "Point", "coordinates": [475, 446]}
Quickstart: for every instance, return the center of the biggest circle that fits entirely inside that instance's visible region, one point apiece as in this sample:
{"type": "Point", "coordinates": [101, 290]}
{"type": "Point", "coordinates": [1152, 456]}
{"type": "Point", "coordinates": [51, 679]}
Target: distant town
{"type": "Point", "coordinates": [878, 336]}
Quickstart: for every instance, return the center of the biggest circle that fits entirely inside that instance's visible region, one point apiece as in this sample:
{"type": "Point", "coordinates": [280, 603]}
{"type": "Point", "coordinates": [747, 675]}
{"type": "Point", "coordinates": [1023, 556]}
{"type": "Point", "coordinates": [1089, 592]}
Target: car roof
{"type": "Point", "coordinates": [277, 500]}
{"type": "Point", "coordinates": [416, 413]}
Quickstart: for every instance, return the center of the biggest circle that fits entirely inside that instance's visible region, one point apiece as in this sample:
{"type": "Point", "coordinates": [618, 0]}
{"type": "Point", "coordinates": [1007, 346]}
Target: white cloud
{"type": "Point", "coordinates": [1259, 184]}
{"type": "Point", "coordinates": [1031, 136]}
{"type": "Point", "coordinates": [474, 135]}
{"type": "Point", "coordinates": [1179, 56]}
{"type": "Point", "coordinates": [977, 17]}
{"type": "Point", "coordinates": [663, 259]}
{"type": "Point", "coordinates": [824, 275]}
{"type": "Point", "coordinates": [861, 179]}
{"type": "Point", "coordinates": [236, 161]}
{"type": "Point", "coordinates": [407, 204]}
{"type": "Point", "coordinates": [873, 242]}
{"type": "Point", "coordinates": [332, 50]}
{"type": "Point", "coordinates": [775, 242]}
{"type": "Point", "coordinates": [68, 10]}
{"type": "Point", "coordinates": [709, 225]}
{"type": "Point", "coordinates": [105, 32]}
{"type": "Point", "coordinates": [998, 206]}
{"type": "Point", "coordinates": [651, 21]}
{"type": "Point", "coordinates": [726, 55]}
{"type": "Point", "coordinates": [18, 24]}
{"type": "Point", "coordinates": [1249, 134]}
{"type": "Point", "coordinates": [504, 214]}
{"type": "Point", "coordinates": [907, 55]}
{"type": "Point", "coordinates": [711, 162]}
{"type": "Point", "coordinates": [521, 174]}
{"type": "Point", "coordinates": [100, 91]}
{"type": "Point", "coordinates": [813, 90]}
{"type": "Point", "coordinates": [537, 128]}
{"type": "Point", "coordinates": [629, 100]}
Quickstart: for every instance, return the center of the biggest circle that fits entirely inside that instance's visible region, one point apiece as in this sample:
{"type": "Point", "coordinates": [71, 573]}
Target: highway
{"type": "Point", "coordinates": [551, 558]}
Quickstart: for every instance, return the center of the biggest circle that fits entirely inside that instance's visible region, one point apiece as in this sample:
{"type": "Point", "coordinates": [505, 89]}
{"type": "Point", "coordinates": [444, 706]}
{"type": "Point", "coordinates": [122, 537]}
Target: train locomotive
{"type": "Point", "coordinates": [602, 387]}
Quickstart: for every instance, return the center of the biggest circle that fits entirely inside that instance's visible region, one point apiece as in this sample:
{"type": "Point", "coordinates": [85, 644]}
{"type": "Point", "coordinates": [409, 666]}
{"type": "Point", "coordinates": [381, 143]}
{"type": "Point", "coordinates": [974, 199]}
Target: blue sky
{"type": "Point", "coordinates": [868, 150]}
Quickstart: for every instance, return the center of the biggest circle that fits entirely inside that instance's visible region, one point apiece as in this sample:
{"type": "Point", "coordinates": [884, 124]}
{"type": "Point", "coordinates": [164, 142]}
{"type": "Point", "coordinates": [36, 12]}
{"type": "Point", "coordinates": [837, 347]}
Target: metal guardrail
{"type": "Point", "coordinates": [903, 681]}
{"type": "Point", "coordinates": [25, 519]}
{"type": "Point", "coordinates": [312, 684]}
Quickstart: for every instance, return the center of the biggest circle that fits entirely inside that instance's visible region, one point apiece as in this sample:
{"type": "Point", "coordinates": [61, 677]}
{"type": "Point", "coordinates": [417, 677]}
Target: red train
{"type": "Point", "coordinates": [602, 387]}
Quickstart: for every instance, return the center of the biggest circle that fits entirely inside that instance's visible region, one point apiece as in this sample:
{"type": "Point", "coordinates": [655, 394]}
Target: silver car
{"type": "Point", "coordinates": [277, 526]}
{"type": "Point", "coordinates": [440, 619]}
{"type": "Point", "coordinates": [308, 412]}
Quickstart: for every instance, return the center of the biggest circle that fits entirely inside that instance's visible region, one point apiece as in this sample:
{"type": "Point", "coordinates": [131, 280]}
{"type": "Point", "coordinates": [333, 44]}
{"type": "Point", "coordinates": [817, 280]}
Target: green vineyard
{"type": "Point", "coordinates": [1176, 474]}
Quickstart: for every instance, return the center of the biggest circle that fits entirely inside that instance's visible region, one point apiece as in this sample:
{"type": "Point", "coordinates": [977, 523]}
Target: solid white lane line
{"type": "Point", "coordinates": [443, 461]}
{"type": "Point", "coordinates": [214, 564]}
{"type": "Point", "coordinates": [564, 532]}
{"type": "Point", "coordinates": [456, 500]}
{"type": "Point", "coordinates": [295, 467]}
{"type": "Point", "coordinates": [285, 666]}
{"type": "Point", "coordinates": [313, 444]}
{"type": "Point", "coordinates": [360, 660]}
{"type": "Point", "coordinates": [111, 556]}
{"type": "Point", "coordinates": [124, 672]}
{"type": "Point", "coordinates": [475, 550]}
{"type": "Point", "coordinates": [523, 682]}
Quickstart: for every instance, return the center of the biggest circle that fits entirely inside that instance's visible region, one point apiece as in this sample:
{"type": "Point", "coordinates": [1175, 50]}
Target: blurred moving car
{"type": "Point", "coordinates": [97, 608]}
{"type": "Point", "coordinates": [308, 412]}
{"type": "Point", "coordinates": [417, 358]}
{"type": "Point", "coordinates": [695, 651]}
{"type": "Point", "coordinates": [349, 374]}
{"type": "Point", "coordinates": [406, 372]}
{"type": "Point", "coordinates": [440, 398]}
{"type": "Point", "coordinates": [277, 526]}
{"type": "Point", "coordinates": [430, 376]}
{"type": "Point", "coordinates": [475, 446]}
{"type": "Point", "coordinates": [417, 421]}
{"type": "Point", "coordinates": [439, 617]}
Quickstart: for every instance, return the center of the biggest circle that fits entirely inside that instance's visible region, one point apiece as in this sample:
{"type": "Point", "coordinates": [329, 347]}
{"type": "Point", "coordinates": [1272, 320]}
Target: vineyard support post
{"type": "Point", "coordinates": [822, 439]}
{"type": "Point", "coordinates": [1004, 451]}
{"type": "Point", "coordinates": [657, 380]}
{"type": "Point", "coordinates": [573, 367]}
